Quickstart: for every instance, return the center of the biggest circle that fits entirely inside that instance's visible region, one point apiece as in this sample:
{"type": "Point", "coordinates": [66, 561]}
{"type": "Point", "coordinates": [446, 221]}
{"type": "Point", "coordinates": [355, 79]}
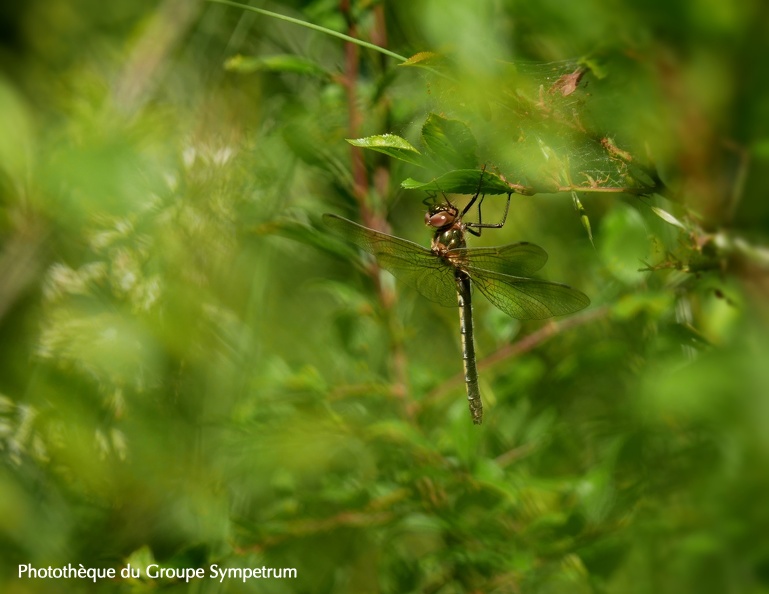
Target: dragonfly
{"type": "Point", "coordinates": [446, 272]}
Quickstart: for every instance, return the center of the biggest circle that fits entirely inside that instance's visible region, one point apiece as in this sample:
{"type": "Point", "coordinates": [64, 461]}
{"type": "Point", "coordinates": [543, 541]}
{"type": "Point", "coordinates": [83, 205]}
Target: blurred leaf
{"type": "Point", "coordinates": [280, 63]}
{"type": "Point", "coordinates": [761, 149]}
{"type": "Point", "coordinates": [667, 217]}
{"type": "Point", "coordinates": [597, 495]}
{"type": "Point", "coordinates": [655, 304]}
{"type": "Point", "coordinates": [687, 335]}
{"type": "Point", "coordinates": [139, 560]}
{"type": "Point", "coordinates": [16, 140]}
{"type": "Point", "coordinates": [449, 142]}
{"type": "Point", "coordinates": [623, 244]}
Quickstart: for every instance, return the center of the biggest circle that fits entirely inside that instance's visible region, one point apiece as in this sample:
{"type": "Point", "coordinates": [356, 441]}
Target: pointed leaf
{"type": "Point", "coordinates": [462, 181]}
{"type": "Point", "coordinates": [391, 145]}
{"type": "Point", "coordinates": [423, 59]}
{"type": "Point", "coordinates": [667, 217]}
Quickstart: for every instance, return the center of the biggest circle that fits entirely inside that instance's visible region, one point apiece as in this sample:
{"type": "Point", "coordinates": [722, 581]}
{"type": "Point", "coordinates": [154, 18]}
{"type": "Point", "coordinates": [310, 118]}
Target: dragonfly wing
{"type": "Point", "coordinates": [516, 259]}
{"type": "Point", "coordinates": [528, 298]}
{"type": "Point", "coordinates": [411, 263]}
{"type": "Point", "coordinates": [436, 283]}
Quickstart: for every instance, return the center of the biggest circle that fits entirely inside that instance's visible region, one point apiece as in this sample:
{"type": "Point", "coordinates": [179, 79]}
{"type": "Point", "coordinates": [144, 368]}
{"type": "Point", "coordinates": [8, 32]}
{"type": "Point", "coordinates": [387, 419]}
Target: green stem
{"type": "Point", "coordinates": [282, 17]}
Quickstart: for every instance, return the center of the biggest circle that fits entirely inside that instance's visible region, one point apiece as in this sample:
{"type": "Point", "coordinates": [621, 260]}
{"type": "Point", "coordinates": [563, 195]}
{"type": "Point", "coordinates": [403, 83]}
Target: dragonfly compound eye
{"type": "Point", "coordinates": [439, 219]}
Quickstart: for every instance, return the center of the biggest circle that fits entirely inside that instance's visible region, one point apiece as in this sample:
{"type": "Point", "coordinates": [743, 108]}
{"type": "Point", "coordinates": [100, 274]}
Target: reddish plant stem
{"type": "Point", "coordinates": [360, 179]}
{"type": "Point", "coordinates": [368, 216]}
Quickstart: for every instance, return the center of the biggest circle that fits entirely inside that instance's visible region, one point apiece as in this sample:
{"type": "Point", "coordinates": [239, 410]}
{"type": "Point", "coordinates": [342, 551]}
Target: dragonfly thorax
{"type": "Point", "coordinates": [448, 239]}
{"type": "Point", "coordinates": [449, 228]}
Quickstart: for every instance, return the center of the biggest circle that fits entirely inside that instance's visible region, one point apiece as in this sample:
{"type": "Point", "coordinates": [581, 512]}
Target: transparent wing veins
{"type": "Point", "coordinates": [411, 263]}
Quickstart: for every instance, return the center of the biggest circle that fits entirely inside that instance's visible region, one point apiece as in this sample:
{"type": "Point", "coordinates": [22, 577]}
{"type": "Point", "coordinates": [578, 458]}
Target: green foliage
{"type": "Point", "coordinates": [195, 372]}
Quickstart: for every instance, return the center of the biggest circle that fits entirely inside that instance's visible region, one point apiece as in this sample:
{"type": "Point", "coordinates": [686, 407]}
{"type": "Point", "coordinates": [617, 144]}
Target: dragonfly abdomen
{"type": "Point", "coordinates": [468, 345]}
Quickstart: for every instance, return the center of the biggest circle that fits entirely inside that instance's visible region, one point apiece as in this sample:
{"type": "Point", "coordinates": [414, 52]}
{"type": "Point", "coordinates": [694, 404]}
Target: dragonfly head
{"type": "Point", "coordinates": [439, 216]}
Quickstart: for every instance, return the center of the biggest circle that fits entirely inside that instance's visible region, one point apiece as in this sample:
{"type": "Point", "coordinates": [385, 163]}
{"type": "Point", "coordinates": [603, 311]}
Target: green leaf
{"type": "Point", "coordinates": [462, 181]}
{"type": "Point", "coordinates": [279, 63]}
{"type": "Point", "coordinates": [391, 145]}
{"type": "Point", "coordinates": [450, 142]}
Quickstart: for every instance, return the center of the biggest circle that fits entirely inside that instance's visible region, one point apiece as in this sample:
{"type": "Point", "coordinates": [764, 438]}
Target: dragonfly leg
{"type": "Point", "coordinates": [481, 225]}
{"type": "Point", "coordinates": [475, 196]}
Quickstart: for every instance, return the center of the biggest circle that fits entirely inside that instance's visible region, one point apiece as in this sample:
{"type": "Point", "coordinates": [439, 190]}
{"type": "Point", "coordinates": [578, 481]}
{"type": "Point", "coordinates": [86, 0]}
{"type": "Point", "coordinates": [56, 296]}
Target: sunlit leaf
{"type": "Point", "coordinates": [423, 59]}
{"type": "Point", "coordinates": [667, 217]}
{"type": "Point", "coordinates": [391, 145]}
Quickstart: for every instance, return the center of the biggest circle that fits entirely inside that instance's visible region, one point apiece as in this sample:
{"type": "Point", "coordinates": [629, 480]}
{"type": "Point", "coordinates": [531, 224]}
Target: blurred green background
{"type": "Point", "coordinates": [194, 371]}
